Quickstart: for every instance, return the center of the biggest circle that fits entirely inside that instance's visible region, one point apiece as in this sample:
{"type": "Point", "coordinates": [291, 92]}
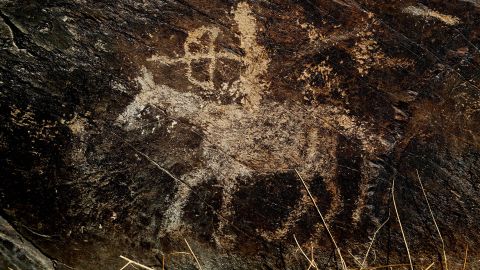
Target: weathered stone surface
{"type": "Point", "coordinates": [16, 252]}
{"type": "Point", "coordinates": [129, 126]}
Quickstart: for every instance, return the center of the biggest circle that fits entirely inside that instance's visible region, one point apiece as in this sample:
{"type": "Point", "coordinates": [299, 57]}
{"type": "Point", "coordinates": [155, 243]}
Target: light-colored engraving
{"type": "Point", "coordinates": [205, 52]}
{"type": "Point", "coordinates": [253, 136]}
{"type": "Point", "coordinates": [427, 13]}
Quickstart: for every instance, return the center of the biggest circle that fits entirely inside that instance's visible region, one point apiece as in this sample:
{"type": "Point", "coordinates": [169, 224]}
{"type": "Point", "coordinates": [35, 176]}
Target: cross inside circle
{"type": "Point", "coordinates": [191, 55]}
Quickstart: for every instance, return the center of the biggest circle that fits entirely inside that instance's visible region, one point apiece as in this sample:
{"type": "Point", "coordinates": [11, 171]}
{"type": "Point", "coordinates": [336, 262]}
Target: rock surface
{"type": "Point", "coordinates": [128, 127]}
{"type": "Point", "coordinates": [18, 253]}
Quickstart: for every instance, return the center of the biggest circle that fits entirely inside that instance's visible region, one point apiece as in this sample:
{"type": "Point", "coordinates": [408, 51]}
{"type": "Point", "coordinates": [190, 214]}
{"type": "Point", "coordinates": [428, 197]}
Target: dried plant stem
{"type": "Point", "coordinates": [434, 222]}
{"type": "Point", "coordinates": [400, 223]}
{"type": "Point", "coordinates": [311, 262]}
{"type": "Point", "coordinates": [344, 266]}
{"type": "Point", "coordinates": [133, 263]}
{"type": "Point", "coordinates": [373, 240]}
{"type": "Point", "coordinates": [355, 259]}
{"type": "Point", "coordinates": [389, 266]}
{"type": "Point", "coordinates": [193, 254]}
{"type": "Point", "coordinates": [166, 257]}
{"type": "Point", "coordinates": [465, 260]}
{"type": "Point", "coordinates": [430, 266]}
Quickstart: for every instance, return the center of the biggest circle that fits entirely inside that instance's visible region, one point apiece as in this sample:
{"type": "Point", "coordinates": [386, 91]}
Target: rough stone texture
{"type": "Point", "coordinates": [16, 252]}
{"type": "Point", "coordinates": [129, 126]}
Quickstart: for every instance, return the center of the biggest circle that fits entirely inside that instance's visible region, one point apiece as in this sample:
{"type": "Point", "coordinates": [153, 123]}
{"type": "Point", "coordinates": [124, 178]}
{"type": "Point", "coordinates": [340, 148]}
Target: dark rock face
{"type": "Point", "coordinates": [17, 252]}
{"type": "Point", "coordinates": [127, 127]}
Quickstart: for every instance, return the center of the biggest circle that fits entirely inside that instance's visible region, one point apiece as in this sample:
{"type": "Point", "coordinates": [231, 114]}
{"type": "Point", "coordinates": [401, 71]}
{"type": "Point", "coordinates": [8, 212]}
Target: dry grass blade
{"type": "Point", "coordinates": [430, 266]}
{"type": "Point", "coordinates": [465, 260]}
{"type": "Point", "coordinates": [434, 222]}
{"type": "Point", "coordinates": [373, 240]}
{"type": "Point", "coordinates": [400, 223]}
{"type": "Point", "coordinates": [193, 254]}
{"type": "Point", "coordinates": [390, 266]}
{"type": "Point", "coordinates": [355, 259]}
{"type": "Point", "coordinates": [166, 257]}
{"type": "Point", "coordinates": [134, 263]}
{"type": "Point", "coordinates": [344, 266]}
{"type": "Point", "coordinates": [311, 262]}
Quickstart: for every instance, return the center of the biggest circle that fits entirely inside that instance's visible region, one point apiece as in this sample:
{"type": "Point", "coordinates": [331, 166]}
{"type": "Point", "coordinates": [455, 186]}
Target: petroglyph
{"type": "Point", "coordinates": [321, 79]}
{"type": "Point", "coordinates": [324, 70]}
{"type": "Point", "coordinates": [256, 58]}
{"type": "Point", "coordinates": [253, 136]}
{"type": "Point", "coordinates": [196, 51]}
{"type": "Point", "coordinates": [427, 13]}
{"type": "Point", "coordinates": [129, 128]}
{"type": "Point", "coordinates": [366, 52]}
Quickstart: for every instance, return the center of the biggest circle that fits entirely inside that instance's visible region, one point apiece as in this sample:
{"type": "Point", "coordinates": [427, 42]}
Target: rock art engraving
{"type": "Point", "coordinates": [131, 127]}
{"type": "Point", "coordinates": [195, 51]}
{"type": "Point", "coordinates": [427, 13]}
{"type": "Point", "coordinates": [253, 136]}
